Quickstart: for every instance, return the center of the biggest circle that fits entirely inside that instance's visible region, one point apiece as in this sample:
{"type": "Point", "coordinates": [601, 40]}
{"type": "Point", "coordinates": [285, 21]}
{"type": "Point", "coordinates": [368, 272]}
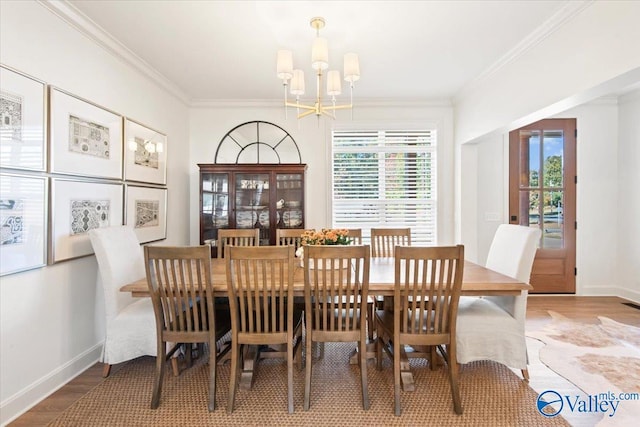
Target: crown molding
{"type": "Point", "coordinates": [361, 103]}
{"type": "Point", "coordinates": [76, 19]}
{"type": "Point", "coordinates": [564, 14]}
{"type": "Point", "coordinates": [634, 95]}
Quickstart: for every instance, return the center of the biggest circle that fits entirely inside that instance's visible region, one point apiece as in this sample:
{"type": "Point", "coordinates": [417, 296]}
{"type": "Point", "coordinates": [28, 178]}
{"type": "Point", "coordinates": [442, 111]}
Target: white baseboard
{"type": "Point", "coordinates": [631, 295]}
{"type": "Point", "coordinates": [16, 405]}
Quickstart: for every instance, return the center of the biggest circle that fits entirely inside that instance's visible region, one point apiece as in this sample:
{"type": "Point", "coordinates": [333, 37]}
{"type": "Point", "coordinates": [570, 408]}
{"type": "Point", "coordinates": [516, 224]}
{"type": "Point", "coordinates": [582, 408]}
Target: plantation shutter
{"type": "Point", "coordinates": [385, 179]}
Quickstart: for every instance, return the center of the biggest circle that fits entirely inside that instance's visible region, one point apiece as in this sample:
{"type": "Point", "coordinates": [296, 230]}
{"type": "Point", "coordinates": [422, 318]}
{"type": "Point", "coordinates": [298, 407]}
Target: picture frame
{"type": "Point", "coordinates": [85, 139]}
{"type": "Point", "coordinates": [145, 155]}
{"type": "Point", "coordinates": [22, 121]}
{"type": "Point", "coordinates": [23, 219]}
{"type": "Point", "coordinates": [146, 212]}
{"type": "Point", "coordinates": [78, 206]}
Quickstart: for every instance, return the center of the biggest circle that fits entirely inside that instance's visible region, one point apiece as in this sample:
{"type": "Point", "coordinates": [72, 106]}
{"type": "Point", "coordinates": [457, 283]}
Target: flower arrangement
{"type": "Point", "coordinates": [326, 236]}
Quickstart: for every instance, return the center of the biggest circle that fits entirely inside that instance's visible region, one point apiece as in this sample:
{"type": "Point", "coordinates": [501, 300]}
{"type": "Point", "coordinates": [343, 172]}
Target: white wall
{"type": "Point", "coordinates": [47, 315]}
{"type": "Point", "coordinates": [628, 266]}
{"type": "Point", "coordinates": [210, 124]}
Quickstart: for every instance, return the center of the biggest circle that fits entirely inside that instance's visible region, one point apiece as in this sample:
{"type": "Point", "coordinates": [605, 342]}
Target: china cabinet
{"type": "Point", "coordinates": [264, 196]}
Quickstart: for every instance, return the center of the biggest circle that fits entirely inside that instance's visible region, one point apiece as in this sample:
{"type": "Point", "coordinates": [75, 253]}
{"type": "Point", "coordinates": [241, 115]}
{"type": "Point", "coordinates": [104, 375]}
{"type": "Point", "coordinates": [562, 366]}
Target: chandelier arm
{"type": "Point", "coordinates": [307, 113]}
{"type": "Point", "coordinates": [338, 107]}
{"type": "Point", "coordinates": [298, 105]}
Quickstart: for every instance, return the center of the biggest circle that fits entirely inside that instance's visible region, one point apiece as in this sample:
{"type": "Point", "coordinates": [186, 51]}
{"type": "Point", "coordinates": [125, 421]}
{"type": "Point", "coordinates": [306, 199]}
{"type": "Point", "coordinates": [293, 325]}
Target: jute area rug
{"type": "Point", "coordinates": [598, 358]}
{"type": "Point", "coordinates": [492, 395]}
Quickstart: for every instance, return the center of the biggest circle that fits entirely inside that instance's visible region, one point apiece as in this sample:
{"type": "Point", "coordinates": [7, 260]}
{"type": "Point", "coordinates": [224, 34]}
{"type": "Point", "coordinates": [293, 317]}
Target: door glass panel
{"type": "Point", "coordinates": [289, 205]}
{"type": "Point", "coordinates": [529, 208]}
{"type": "Point", "coordinates": [530, 162]}
{"type": "Point", "coordinates": [552, 228]}
{"type": "Point", "coordinates": [553, 166]}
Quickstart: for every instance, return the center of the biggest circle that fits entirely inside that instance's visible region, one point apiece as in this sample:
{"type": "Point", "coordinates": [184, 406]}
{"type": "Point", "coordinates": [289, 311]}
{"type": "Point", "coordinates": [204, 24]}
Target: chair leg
{"type": "Point", "coordinates": [396, 378]}
{"type": "Point", "coordinates": [233, 375]}
{"type": "Point", "coordinates": [525, 374]}
{"type": "Point", "coordinates": [106, 370]}
{"type": "Point", "coordinates": [212, 375]}
{"type": "Point", "coordinates": [290, 374]}
{"type": "Point", "coordinates": [175, 367]}
{"type": "Point", "coordinates": [157, 386]}
{"type": "Point", "coordinates": [379, 343]}
{"type": "Point", "coordinates": [307, 376]}
{"type": "Point", "coordinates": [371, 306]}
{"type": "Point", "coordinates": [363, 374]}
{"type": "Point", "coordinates": [453, 379]}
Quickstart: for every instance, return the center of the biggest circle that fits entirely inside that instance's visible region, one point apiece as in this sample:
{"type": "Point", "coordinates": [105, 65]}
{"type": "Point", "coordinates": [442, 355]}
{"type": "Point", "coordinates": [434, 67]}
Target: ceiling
{"type": "Point", "coordinates": [408, 50]}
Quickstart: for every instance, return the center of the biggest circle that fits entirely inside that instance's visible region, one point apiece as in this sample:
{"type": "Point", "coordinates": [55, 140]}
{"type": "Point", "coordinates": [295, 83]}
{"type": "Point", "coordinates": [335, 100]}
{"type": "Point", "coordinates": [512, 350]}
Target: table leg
{"type": "Point", "coordinates": [250, 361]}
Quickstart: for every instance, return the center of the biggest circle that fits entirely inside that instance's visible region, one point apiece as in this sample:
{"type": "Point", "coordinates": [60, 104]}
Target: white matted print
{"type": "Point", "coordinates": [86, 139]}
{"type": "Point", "coordinates": [145, 154]}
{"type": "Point", "coordinates": [146, 212]}
{"type": "Point", "coordinates": [23, 217]}
{"type": "Point", "coordinates": [80, 206]}
{"type": "Point", "coordinates": [22, 125]}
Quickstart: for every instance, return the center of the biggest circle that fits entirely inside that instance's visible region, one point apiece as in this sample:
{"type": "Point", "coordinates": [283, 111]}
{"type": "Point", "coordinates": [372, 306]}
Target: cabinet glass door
{"type": "Point", "coordinates": [252, 203]}
{"type": "Point", "coordinates": [215, 204]}
{"type": "Point", "coordinates": [290, 203]}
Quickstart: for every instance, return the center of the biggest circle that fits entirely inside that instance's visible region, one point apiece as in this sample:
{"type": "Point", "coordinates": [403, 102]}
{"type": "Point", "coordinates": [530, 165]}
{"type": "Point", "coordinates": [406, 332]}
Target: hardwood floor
{"type": "Point", "coordinates": [584, 309]}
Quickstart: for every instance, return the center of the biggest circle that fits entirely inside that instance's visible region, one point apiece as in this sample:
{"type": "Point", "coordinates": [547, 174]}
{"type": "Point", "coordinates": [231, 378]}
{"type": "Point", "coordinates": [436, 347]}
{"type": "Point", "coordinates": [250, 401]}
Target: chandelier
{"type": "Point", "coordinates": [319, 62]}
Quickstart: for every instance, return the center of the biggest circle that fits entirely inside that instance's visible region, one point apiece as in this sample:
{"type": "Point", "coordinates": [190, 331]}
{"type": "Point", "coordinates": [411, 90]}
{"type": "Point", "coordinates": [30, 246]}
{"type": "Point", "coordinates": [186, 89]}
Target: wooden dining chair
{"type": "Point", "coordinates": [336, 286]}
{"type": "Point", "coordinates": [179, 280]}
{"type": "Point", "coordinates": [425, 304]}
{"type": "Point", "coordinates": [237, 237]}
{"type": "Point", "coordinates": [289, 236]}
{"type": "Point", "coordinates": [260, 289]}
{"type": "Point", "coordinates": [384, 241]}
{"type": "Point", "coordinates": [355, 236]}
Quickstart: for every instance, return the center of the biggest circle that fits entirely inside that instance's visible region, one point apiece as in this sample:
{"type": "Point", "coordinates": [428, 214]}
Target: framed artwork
{"type": "Point", "coordinates": [145, 154]}
{"type": "Point", "coordinates": [146, 211]}
{"type": "Point", "coordinates": [23, 216]}
{"type": "Point", "coordinates": [77, 207]}
{"type": "Point", "coordinates": [23, 120]}
{"type": "Point", "coordinates": [86, 139]}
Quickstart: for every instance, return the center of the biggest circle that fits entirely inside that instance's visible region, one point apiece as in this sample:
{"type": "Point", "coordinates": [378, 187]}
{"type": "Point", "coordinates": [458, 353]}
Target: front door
{"type": "Point", "coordinates": [542, 194]}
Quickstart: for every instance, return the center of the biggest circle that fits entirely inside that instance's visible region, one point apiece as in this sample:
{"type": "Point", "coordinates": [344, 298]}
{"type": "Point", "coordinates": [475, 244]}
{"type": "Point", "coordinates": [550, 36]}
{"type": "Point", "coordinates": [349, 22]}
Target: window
{"type": "Point", "coordinates": [385, 179]}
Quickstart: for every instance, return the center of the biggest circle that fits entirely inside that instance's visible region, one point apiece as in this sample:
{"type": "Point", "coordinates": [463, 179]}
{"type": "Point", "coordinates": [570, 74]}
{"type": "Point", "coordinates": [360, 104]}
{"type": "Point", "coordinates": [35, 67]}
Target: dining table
{"type": "Point", "coordinates": [477, 281]}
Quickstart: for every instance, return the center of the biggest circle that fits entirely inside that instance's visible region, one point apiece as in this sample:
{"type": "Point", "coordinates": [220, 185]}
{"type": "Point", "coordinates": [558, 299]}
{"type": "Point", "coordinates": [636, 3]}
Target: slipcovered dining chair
{"type": "Point", "coordinates": [237, 237]}
{"type": "Point", "coordinates": [335, 295]}
{"type": "Point", "coordinates": [260, 289]}
{"type": "Point", "coordinates": [130, 327]}
{"type": "Point", "coordinates": [180, 284]}
{"type": "Point", "coordinates": [428, 281]}
{"type": "Point", "coordinates": [492, 327]}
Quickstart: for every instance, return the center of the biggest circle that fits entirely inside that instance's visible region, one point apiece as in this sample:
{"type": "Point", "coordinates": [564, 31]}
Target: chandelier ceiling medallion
{"type": "Point", "coordinates": [294, 78]}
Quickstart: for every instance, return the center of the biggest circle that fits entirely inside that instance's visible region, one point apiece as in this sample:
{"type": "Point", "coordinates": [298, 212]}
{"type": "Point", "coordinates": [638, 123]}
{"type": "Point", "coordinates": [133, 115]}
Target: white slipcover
{"type": "Point", "coordinates": [492, 328]}
{"type": "Point", "coordinates": [130, 322]}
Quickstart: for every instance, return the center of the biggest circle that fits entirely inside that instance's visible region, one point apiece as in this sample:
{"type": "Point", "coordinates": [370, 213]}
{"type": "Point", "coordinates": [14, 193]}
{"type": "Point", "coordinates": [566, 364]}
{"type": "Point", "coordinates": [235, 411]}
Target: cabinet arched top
{"type": "Point", "coordinates": [257, 142]}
